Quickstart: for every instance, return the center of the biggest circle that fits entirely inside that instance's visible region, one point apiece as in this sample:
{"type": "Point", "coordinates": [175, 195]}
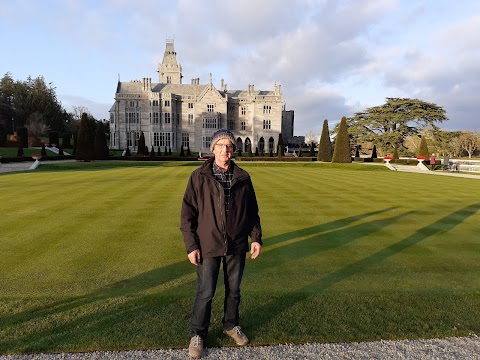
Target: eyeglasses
{"type": "Point", "coordinates": [225, 146]}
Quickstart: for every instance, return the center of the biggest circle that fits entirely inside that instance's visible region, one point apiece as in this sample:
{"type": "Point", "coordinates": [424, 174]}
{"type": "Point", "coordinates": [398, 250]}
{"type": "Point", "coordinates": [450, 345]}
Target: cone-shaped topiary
{"type": "Point", "coordinates": [271, 153]}
{"type": "Point", "coordinates": [43, 152]}
{"type": "Point", "coordinates": [101, 147]}
{"type": "Point", "coordinates": [325, 146]}
{"type": "Point", "coordinates": [141, 145]}
{"type": "Point", "coordinates": [182, 152]}
{"type": "Point", "coordinates": [312, 149]}
{"type": "Point", "coordinates": [342, 153]}
{"type": "Point", "coordinates": [20, 151]}
{"type": "Point", "coordinates": [423, 149]}
{"type": "Point", "coordinates": [60, 150]}
{"type": "Point", "coordinates": [357, 151]}
{"type": "Point", "coordinates": [127, 152]}
{"type": "Point", "coordinates": [189, 153]}
{"type": "Point", "coordinates": [86, 139]}
{"type": "Point", "coordinates": [256, 151]}
{"type": "Point", "coordinates": [152, 152]}
{"type": "Point", "coordinates": [169, 151]}
{"type": "Point", "coordinates": [280, 146]}
{"type": "Point", "coordinates": [374, 152]}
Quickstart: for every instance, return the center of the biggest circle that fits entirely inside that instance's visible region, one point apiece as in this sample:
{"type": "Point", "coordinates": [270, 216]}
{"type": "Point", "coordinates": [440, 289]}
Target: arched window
{"type": "Point", "coordinates": [248, 145]}
{"type": "Point", "coordinates": [239, 144]}
{"type": "Point", "coordinates": [261, 144]}
{"type": "Point", "coordinates": [271, 142]}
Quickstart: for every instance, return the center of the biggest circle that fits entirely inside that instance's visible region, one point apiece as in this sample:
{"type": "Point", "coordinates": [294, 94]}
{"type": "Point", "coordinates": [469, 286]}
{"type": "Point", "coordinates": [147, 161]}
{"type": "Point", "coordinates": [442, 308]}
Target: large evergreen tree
{"type": "Point", "coordinates": [101, 146]}
{"type": "Point", "coordinates": [325, 146]}
{"type": "Point", "coordinates": [388, 125]}
{"type": "Point", "coordinates": [86, 139]}
{"type": "Point", "coordinates": [341, 153]}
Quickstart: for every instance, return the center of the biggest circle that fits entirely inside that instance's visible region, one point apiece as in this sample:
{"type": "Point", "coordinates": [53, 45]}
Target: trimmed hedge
{"type": "Point", "coordinates": [276, 158]}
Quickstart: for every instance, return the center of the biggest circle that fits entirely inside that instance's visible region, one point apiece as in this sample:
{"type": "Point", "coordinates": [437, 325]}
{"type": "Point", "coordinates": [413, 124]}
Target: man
{"type": "Point", "coordinates": [219, 212]}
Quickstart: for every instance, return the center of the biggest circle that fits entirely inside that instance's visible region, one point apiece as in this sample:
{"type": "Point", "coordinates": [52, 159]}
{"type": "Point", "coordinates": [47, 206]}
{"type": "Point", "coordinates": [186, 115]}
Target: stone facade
{"type": "Point", "coordinates": [172, 114]}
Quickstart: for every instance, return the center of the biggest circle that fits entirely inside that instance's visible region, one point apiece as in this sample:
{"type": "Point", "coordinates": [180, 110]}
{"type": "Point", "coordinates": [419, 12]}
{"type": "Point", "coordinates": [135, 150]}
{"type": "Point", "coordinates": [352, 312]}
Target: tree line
{"type": "Point", "coordinates": [398, 128]}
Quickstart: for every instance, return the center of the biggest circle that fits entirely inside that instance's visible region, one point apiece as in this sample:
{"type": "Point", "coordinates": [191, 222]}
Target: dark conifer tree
{"type": "Point", "coordinates": [256, 151]}
{"type": "Point", "coordinates": [22, 137]}
{"type": "Point", "coordinates": [325, 146]}
{"type": "Point", "coordinates": [152, 152]}
{"type": "Point", "coordinates": [43, 152]}
{"type": "Point", "coordinates": [159, 152]}
{"type": "Point", "coordinates": [20, 151]}
{"type": "Point", "coordinates": [86, 139]}
{"type": "Point", "coordinates": [189, 153]}
{"type": "Point", "coordinates": [141, 145]}
{"type": "Point", "coordinates": [341, 152]}
{"type": "Point", "coordinates": [312, 149]}
{"type": "Point", "coordinates": [60, 150]}
{"type": "Point", "coordinates": [128, 152]}
{"type": "Point", "coordinates": [3, 136]}
{"type": "Point", "coordinates": [374, 152]}
{"type": "Point", "coordinates": [182, 152]}
{"type": "Point", "coordinates": [280, 146]}
{"type": "Point", "coordinates": [101, 147]}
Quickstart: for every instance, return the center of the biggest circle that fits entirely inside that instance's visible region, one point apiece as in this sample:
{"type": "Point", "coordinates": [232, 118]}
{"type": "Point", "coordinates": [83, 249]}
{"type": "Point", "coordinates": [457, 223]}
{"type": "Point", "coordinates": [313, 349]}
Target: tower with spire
{"type": "Point", "coordinates": [170, 71]}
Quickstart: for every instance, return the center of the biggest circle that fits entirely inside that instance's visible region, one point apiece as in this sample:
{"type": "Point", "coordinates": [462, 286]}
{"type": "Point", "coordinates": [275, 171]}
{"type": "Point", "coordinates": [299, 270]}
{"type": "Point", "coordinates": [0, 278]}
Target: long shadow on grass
{"type": "Point", "coordinates": [260, 318]}
{"type": "Point", "coordinates": [176, 275]}
{"type": "Point", "coordinates": [171, 276]}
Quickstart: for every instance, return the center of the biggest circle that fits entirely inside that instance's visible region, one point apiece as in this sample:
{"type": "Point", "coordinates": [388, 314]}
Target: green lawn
{"type": "Point", "coordinates": [95, 260]}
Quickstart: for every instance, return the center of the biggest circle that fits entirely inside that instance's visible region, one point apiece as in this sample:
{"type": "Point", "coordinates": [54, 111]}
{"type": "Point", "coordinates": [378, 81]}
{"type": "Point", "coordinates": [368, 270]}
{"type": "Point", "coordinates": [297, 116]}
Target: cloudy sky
{"type": "Point", "coordinates": [332, 58]}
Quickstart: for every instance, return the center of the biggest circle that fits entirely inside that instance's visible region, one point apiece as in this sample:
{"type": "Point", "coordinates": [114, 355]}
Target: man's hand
{"type": "Point", "coordinates": [255, 249]}
{"type": "Point", "coordinates": [194, 257]}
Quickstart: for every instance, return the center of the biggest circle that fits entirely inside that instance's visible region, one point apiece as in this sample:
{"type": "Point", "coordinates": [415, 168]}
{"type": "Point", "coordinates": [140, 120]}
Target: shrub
{"type": "Point", "coordinates": [341, 153]}
{"type": "Point", "coordinates": [152, 152]}
{"type": "Point", "coordinates": [43, 152]}
{"type": "Point", "coordinates": [20, 151]}
{"type": "Point", "coordinates": [374, 152]}
{"type": "Point", "coordinates": [182, 152]}
{"type": "Point", "coordinates": [60, 150]}
{"type": "Point", "coordinates": [256, 151]}
{"type": "Point", "coordinates": [159, 153]}
{"type": "Point", "coordinates": [189, 153]}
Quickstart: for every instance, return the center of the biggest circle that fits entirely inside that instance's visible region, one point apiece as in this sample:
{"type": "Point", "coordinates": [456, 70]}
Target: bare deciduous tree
{"type": "Point", "coordinates": [468, 141]}
{"type": "Point", "coordinates": [36, 125]}
{"type": "Point", "coordinates": [311, 136]}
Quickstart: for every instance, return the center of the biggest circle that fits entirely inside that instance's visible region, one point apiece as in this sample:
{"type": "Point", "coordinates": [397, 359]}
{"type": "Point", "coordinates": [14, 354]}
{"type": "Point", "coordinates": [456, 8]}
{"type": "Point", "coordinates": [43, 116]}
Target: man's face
{"type": "Point", "coordinates": [223, 150]}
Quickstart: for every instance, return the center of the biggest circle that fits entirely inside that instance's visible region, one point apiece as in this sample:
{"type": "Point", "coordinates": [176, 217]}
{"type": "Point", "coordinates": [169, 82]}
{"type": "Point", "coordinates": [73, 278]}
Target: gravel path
{"type": "Point", "coordinates": [449, 348]}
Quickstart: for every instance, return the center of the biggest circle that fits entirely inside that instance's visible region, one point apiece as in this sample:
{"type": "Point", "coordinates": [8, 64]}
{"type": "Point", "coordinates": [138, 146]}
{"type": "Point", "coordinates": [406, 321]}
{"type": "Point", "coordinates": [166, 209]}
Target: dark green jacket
{"type": "Point", "coordinates": [203, 222]}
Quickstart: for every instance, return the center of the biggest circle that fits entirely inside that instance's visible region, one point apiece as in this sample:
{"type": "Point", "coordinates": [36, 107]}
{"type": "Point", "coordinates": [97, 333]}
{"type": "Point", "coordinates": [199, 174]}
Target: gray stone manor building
{"type": "Point", "coordinates": [172, 114]}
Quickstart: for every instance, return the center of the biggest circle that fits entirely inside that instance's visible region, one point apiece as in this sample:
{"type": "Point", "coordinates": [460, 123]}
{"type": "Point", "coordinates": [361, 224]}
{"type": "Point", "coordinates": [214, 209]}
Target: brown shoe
{"type": "Point", "coordinates": [195, 349]}
{"type": "Point", "coordinates": [236, 334]}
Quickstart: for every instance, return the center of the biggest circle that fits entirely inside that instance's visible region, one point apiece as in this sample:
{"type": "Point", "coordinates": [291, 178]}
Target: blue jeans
{"type": "Point", "coordinates": [207, 276]}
